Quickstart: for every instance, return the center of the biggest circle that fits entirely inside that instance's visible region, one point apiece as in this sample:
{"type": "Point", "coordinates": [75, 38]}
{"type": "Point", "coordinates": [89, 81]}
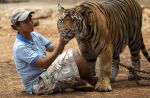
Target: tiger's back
{"type": "Point", "coordinates": [123, 19]}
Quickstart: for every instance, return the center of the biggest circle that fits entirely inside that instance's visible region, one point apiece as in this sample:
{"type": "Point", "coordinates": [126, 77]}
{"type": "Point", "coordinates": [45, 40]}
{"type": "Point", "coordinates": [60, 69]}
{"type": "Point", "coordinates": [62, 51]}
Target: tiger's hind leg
{"type": "Point", "coordinates": [115, 67]}
{"type": "Point", "coordinates": [135, 57]}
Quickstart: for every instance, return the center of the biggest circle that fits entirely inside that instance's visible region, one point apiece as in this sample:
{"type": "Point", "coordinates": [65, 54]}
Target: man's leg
{"type": "Point", "coordinates": [84, 69]}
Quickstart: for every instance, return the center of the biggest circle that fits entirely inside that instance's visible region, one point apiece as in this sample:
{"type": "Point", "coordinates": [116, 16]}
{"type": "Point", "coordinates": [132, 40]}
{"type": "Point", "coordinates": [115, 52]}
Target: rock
{"type": "Point", "coordinates": [42, 13]}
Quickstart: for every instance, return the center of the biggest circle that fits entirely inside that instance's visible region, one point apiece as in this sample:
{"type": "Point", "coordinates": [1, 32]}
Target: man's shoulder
{"type": "Point", "coordinates": [35, 33]}
{"type": "Point", "coordinates": [18, 45]}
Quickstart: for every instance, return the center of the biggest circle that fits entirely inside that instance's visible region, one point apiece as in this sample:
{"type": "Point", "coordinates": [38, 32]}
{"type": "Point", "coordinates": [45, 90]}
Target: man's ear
{"type": "Point", "coordinates": [16, 26]}
{"type": "Point", "coordinates": [60, 8]}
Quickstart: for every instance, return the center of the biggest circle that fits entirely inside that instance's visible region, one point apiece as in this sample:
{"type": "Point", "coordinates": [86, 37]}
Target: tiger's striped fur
{"type": "Point", "coordinates": [103, 29]}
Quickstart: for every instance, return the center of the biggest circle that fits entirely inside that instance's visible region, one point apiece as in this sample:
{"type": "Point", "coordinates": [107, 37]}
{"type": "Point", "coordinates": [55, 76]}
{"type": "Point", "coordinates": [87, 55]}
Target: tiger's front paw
{"type": "Point", "coordinates": [102, 86]}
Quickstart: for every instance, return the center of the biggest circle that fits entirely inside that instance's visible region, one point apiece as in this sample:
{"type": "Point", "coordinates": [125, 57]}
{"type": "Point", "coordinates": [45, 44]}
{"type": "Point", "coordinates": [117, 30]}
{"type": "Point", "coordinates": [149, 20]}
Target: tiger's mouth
{"type": "Point", "coordinates": [68, 34]}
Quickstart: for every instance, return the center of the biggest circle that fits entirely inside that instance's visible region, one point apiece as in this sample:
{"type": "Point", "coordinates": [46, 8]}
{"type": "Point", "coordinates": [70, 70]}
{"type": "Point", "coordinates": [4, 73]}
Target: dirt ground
{"type": "Point", "coordinates": [46, 14]}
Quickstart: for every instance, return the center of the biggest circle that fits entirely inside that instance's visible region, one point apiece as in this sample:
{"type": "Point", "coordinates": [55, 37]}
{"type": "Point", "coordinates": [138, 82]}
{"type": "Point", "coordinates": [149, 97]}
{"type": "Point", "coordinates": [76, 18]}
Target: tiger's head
{"type": "Point", "coordinates": [70, 22]}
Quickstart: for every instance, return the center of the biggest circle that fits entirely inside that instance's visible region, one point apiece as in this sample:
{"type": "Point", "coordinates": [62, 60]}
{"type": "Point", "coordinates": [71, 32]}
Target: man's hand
{"type": "Point", "coordinates": [63, 41]}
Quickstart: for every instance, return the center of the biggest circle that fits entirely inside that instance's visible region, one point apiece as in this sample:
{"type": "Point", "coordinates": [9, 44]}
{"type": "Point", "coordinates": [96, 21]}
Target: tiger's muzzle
{"type": "Point", "coordinates": [67, 34]}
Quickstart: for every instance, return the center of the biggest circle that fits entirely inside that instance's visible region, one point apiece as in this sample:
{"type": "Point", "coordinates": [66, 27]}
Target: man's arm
{"type": "Point", "coordinates": [48, 60]}
{"type": "Point", "coordinates": [51, 47]}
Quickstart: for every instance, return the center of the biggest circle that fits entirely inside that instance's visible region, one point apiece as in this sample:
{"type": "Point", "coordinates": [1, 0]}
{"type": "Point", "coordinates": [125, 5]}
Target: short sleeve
{"type": "Point", "coordinates": [44, 40]}
{"type": "Point", "coordinates": [27, 54]}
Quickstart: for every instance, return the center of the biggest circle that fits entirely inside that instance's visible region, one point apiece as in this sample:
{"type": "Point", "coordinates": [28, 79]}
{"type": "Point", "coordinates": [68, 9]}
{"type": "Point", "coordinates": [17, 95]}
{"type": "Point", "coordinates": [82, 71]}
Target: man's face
{"type": "Point", "coordinates": [26, 26]}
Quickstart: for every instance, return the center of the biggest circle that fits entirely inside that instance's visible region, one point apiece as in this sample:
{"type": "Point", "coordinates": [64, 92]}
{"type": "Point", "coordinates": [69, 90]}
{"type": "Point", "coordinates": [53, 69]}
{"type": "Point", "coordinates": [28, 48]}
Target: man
{"type": "Point", "coordinates": [42, 72]}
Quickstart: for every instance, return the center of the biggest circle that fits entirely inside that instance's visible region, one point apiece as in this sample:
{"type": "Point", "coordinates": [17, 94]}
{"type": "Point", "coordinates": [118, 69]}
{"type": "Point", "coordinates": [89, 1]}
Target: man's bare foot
{"type": "Point", "coordinates": [83, 85]}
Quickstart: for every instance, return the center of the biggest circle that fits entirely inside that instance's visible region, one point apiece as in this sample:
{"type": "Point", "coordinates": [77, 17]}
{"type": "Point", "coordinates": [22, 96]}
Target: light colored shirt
{"type": "Point", "coordinates": [26, 53]}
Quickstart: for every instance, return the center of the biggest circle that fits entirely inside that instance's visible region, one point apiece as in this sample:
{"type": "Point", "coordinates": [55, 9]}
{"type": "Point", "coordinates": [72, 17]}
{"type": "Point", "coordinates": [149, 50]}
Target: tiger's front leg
{"type": "Point", "coordinates": [89, 55]}
{"type": "Point", "coordinates": [103, 83]}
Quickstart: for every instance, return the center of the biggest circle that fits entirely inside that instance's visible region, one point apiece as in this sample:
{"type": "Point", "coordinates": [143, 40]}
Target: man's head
{"type": "Point", "coordinates": [21, 20]}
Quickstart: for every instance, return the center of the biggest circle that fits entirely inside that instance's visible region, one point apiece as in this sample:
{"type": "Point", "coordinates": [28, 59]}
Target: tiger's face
{"type": "Point", "coordinates": [68, 22]}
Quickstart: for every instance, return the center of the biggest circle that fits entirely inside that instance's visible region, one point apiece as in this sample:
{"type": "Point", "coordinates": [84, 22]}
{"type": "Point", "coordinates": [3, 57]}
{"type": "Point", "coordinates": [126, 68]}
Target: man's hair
{"type": "Point", "coordinates": [14, 27]}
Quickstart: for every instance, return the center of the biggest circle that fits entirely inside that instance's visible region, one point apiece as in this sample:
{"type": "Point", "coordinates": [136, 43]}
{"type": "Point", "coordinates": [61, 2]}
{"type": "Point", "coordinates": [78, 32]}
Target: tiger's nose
{"type": "Point", "coordinates": [67, 30]}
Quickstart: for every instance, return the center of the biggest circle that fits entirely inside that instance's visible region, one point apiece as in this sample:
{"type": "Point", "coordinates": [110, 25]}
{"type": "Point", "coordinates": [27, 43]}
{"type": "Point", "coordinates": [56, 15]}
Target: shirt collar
{"type": "Point", "coordinates": [22, 38]}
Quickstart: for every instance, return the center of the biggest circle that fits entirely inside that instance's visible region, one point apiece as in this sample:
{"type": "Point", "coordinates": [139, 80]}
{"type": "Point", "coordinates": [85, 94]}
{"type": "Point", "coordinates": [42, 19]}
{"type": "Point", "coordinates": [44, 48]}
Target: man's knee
{"type": "Point", "coordinates": [75, 52]}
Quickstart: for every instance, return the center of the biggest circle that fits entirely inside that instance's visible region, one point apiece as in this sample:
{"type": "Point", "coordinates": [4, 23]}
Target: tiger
{"type": "Point", "coordinates": [103, 29]}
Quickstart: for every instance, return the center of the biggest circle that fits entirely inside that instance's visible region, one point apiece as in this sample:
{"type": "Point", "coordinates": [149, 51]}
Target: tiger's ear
{"type": "Point", "coordinates": [60, 8]}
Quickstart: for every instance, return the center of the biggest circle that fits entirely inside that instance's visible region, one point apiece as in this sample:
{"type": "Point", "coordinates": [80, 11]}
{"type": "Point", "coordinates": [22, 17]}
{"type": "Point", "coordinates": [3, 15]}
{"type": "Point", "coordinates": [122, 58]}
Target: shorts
{"type": "Point", "coordinates": [62, 73]}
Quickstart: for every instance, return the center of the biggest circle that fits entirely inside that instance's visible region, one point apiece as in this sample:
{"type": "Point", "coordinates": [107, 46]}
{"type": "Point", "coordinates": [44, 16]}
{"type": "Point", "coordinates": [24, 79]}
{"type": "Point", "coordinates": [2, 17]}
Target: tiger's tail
{"type": "Point", "coordinates": [144, 51]}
